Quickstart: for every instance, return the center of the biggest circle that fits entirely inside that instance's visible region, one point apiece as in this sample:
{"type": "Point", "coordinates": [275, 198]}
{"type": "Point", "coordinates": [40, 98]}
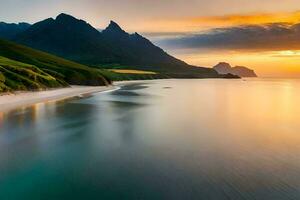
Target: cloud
{"type": "Point", "coordinates": [287, 54]}
{"type": "Point", "coordinates": [201, 23]}
{"type": "Point", "coordinates": [242, 19]}
{"type": "Point", "coordinates": [266, 37]}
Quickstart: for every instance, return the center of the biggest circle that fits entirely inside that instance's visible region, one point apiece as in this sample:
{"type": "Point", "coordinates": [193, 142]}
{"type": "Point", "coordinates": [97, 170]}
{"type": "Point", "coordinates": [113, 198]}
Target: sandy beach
{"type": "Point", "coordinates": [20, 99]}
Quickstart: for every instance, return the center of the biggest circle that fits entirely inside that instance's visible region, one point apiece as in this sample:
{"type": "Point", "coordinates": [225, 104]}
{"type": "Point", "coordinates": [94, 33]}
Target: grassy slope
{"type": "Point", "coordinates": [129, 74]}
{"type": "Point", "coordinates": [16, 75]}
{"type": "Point", "coordinates": [63, 70]}
{"type": "Point", "coordinates": [116, 72]}
{"type": "Point", "coordinates": [126, 74]}
{"type": "Point", "coordinates": [131, 71]}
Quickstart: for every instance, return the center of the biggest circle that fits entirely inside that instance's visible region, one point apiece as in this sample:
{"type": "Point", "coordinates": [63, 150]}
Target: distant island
{"type": "Point", "coordinates": [241, 71]}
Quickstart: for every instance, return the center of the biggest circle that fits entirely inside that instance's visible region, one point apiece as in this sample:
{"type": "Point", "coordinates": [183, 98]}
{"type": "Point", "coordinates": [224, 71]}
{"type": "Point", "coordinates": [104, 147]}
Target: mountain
{"type": "Point", "coordinates": [9, 31]}
{"type": "Point", "coordinates": [243, 71]}
{"type": "Point", "coordinates": [24, 68]}
{"type": "Point", "coordinates": [77, 40]}
{"type": "Point", "coordinates": [225, 68]}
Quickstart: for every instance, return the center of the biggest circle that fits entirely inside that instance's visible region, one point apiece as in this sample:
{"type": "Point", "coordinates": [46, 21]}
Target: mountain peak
{"type": "Point", "coordinates": [65, 17]}
{"type": "Point", "coordinates": [223, 63]}
{"type": "Point", "coordinates": [113, 27]}
{"type": "Point", "coordinates": [223, 66]}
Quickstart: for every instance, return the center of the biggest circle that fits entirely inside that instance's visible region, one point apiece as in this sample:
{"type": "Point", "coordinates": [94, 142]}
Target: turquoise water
{"type": "Point", "coordinates": [165, 139]}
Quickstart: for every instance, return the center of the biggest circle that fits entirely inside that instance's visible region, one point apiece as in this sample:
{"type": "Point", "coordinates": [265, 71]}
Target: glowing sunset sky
{"type": "Point", "coordinates": [264, 35]}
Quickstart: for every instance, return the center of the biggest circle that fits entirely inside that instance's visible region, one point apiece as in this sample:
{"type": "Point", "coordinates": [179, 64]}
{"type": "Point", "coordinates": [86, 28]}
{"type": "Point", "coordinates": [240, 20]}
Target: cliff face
{"type": "Point", "coordinates": [241, 71]}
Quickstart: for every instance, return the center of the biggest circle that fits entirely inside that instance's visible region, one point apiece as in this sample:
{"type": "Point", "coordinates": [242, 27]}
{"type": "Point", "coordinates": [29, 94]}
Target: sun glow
{"type": "Point", "coordinates": [289, 53]}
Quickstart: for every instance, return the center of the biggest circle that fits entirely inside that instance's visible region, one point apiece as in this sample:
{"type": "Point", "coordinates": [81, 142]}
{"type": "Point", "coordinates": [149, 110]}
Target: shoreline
{"type": "Point", "coordinates": [19, 99]}
{"type": "Point", "coordinates": [11, 101]}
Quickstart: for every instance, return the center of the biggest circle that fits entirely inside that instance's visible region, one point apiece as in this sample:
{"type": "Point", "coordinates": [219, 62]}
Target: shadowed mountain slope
{"type": "Point", "coordinates": [10, 31]}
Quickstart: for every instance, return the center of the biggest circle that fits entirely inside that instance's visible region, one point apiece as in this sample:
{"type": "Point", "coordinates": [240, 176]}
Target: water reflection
{"type": "Point", "coordinates": [1, 118]}
{"type": "Point", "coordinates": [201, 139]}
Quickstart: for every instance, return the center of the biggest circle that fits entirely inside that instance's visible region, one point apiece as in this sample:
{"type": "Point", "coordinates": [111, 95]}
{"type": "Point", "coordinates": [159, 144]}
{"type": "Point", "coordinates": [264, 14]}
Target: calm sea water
{"type": "Point", "coordinates": [165, 139]}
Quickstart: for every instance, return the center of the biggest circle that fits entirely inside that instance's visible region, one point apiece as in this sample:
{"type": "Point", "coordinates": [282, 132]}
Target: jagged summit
{"type": "Point", "coordinates": [113, 27]}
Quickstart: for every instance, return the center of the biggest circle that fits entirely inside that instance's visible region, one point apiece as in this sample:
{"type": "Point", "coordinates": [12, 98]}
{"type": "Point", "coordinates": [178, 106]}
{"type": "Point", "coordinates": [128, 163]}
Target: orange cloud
{"type": "Point", "coordinates": [263, 18]}
{"type": "Point", "coordinates": [191, 24]}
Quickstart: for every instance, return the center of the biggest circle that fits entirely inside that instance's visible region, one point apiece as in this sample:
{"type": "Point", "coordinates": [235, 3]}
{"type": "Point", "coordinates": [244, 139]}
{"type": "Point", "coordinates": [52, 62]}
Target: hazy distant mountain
{"type": "Point", "coordinates": [225, 68]}
{"type": "Point", "coordinates": [77, 40]}
{"type": "Point", "coordinates": [243, 71]}
{"type": "Point", "coordinates": [9, 31]}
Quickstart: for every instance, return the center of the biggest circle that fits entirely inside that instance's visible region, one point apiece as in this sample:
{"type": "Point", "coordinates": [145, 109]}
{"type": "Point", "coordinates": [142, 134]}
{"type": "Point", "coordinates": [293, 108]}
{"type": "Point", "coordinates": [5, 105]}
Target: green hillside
{"type": "Point", "coordinates": [16, 75]}
{"type": "Point", "coordinates": [39, 69]}
{"type": "Point", "coordinates": [117, 76]}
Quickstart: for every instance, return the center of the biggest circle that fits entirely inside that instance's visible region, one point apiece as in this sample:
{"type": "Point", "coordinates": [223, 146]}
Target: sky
{"type": "Point", "coordinates": [262, 35]}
